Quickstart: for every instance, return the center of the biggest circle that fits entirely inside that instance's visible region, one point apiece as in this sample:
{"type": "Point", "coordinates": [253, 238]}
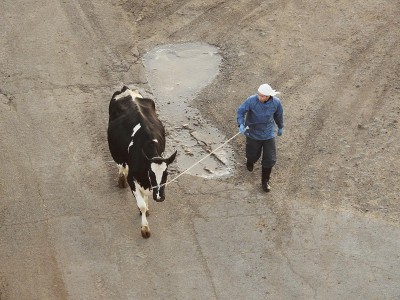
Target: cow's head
{"type": "Point", "coordinates": [158, 173]}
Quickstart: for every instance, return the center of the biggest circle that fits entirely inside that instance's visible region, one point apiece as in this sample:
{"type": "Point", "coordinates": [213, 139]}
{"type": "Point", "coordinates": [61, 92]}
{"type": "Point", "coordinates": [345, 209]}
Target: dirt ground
{"type": "Point", "coordinates": [329, 229]}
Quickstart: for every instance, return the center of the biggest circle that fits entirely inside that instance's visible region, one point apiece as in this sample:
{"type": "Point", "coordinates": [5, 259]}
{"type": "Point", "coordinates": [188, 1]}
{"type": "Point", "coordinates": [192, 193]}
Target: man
{"type": "Point", "coordinates": [256, 119]}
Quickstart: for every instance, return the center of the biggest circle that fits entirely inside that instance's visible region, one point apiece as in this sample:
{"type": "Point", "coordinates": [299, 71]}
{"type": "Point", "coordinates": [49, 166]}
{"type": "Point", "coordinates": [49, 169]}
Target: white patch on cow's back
{"type": "Point", "coordinates": [135, 129]}
{"type": "Point", "coordinates": [130, 145]}
{"type": "Point", "coordinates": [134, 94]}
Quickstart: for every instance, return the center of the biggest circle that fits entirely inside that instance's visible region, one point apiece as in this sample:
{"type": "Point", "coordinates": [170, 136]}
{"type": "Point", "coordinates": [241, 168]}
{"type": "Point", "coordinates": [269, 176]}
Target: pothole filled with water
{"type": "Point", "coordinates": [177, 73]}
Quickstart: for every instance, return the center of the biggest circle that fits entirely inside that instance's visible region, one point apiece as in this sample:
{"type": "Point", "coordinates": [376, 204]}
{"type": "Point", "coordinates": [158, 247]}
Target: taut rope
{"type": "Point", "coordinates": [195, 164]}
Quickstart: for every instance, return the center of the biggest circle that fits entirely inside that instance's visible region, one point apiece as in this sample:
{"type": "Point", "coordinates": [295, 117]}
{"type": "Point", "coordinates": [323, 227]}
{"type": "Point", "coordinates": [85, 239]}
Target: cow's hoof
{"type": "Point", "coordinates": [122, 182]}
{"type": "Point", "coordinates": [146, 232]}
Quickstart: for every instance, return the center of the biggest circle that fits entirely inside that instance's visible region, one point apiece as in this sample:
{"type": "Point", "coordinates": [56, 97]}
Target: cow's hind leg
{"type": "Point", "coordinates": [141, 202]}
{"type": "Point", "coordinates": [122, 175]}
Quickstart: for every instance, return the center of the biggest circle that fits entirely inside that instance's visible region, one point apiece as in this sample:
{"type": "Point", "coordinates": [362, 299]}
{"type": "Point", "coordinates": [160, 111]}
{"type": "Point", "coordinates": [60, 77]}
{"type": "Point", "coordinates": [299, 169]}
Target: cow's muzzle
{"type": "Point", "coordinates": [158, 194]}
{"type": "Point", "coordinates": [161, 199]}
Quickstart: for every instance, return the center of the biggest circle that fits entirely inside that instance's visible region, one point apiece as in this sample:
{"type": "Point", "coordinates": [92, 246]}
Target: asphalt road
{"type": "Point", "coordinates": [68, 232]}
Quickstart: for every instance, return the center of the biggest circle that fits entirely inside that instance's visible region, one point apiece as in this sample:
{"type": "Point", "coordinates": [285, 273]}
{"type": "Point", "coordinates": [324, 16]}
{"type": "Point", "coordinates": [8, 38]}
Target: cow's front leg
{"type": "Point", "coordinates": [142, 204]}
{"type": "Point", "coordinates": [146, 200]}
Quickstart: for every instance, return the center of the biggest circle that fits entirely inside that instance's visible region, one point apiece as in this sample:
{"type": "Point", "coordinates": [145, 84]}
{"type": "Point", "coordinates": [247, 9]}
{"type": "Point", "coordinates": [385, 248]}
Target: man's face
{"type": "Point", "coordinates": [263, 98]}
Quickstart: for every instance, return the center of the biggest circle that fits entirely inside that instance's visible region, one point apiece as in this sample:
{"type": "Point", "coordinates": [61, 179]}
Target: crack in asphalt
{"type": "Point", "coordinates": [10, 99]}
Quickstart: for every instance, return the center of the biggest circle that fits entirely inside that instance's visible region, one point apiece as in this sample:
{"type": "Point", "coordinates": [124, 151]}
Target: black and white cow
{"type": "Point", "coordinates": [136, 138]}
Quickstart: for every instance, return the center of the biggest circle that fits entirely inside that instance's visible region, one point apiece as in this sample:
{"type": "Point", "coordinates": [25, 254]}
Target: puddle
{"type": "Point", "coordinates": [176, 74]}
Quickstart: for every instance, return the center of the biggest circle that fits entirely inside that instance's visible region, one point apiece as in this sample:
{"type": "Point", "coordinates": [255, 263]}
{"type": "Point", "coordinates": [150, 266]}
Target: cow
{"type": "Point", "coordinates": [136, 139]}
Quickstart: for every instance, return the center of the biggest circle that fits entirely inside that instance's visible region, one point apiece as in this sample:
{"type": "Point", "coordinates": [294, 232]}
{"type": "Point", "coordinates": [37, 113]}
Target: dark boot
{"type": "Point", "coordinates": [250, 166]}
{"type": "Point", "coordinates": [265, 174]}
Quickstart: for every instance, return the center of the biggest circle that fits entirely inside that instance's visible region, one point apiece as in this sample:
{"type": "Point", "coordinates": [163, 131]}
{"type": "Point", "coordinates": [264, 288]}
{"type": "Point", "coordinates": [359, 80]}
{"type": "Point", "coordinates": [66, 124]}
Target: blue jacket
{"type": "Point", "coordinates": [260, 117]}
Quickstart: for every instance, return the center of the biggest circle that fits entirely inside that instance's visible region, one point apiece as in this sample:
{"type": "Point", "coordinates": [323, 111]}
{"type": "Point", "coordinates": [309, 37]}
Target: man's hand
{"type": "Point", "coordinates": [280, 131]}
{"type": "Point", "coordinates": [242, 129]}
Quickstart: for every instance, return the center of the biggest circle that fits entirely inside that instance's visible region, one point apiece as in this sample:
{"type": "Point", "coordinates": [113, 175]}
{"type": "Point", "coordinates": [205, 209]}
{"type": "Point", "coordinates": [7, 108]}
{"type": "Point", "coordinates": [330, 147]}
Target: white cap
{"type": "Point", "coordinates": [266, 90]}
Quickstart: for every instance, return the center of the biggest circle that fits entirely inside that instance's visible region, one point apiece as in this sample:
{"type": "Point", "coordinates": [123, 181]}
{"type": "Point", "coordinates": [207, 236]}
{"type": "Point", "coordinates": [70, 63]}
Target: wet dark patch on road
{"type": "Point", "coordinates": [177, 73]}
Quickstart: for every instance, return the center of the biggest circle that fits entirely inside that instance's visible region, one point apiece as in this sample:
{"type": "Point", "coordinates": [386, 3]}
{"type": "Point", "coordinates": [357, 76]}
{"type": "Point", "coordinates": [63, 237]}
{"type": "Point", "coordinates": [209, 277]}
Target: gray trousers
{"type": "Point", "coordinates": [254, 148]}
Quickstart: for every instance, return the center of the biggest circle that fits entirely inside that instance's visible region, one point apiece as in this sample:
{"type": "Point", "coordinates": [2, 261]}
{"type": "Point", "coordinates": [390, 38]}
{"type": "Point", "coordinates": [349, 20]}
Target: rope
{"type": "Point", "coordinates": [195, 164]}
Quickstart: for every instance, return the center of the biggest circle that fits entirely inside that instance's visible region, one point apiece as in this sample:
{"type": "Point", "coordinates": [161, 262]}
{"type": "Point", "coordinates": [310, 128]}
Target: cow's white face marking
{"type": "Point", "coordinates": [134, 94]}
{"type": "Point", "coordinates": [135, 129]}
{"type": "Point", "coordinates": [158, 170]}
{"type": "Point", "coordinates": [155, 141]}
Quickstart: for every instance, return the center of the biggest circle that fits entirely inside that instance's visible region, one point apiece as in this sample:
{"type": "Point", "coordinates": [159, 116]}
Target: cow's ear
{"type": "Point", "coordinates": [170, 159]}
